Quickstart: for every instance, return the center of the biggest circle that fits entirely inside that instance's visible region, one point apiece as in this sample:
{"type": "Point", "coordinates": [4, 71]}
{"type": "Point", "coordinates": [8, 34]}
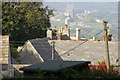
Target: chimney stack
{"type": "Point", "coordinates": [59, 35]}
{"type": "Point", "coordinates": [66, 26]}
{"type": "Point", "coordinates": [108, 32]}
{"type": "Point", "coordinates": [66, 31]}
{"type": "Point", "coordinates": [94, 38]}
{"type": "Point", "coordinates": [109, 35]}
{"type": "Point", "coordinates": [50, 33]}
{"type": "Point", "coordinates": [77, 33]}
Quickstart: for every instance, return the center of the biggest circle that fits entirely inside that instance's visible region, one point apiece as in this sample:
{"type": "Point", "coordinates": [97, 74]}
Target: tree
{"type": "Point", "coordinates": [25, 20]}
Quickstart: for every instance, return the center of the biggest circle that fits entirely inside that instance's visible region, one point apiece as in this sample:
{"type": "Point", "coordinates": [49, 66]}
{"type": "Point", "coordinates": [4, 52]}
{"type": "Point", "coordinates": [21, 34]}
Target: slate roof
{"type": "Point", "coordinates": [13, 61]}
{"type": "Point", "coordinates": [27, 57]}
{"type": "Point", "coordinates": [93, 51]}
{"type": "Point", "coordinates": [44, 48]}
{"type": "Point", "coordinates": [54, 65]}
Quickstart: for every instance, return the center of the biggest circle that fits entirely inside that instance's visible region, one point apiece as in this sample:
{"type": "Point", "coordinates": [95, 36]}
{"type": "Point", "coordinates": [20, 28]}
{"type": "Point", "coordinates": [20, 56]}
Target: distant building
{"type": "Point", "coordinates": [70, 10]}
{"type": "Point", "coordinates": [69, 13]}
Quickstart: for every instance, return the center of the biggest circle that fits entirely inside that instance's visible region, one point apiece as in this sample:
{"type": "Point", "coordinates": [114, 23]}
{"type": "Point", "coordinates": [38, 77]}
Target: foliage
{"type": "Point", "coordinates": [25, 20]}
{"type": "Point", "coordinates": [102, 67]}
{"type": "Point", "coordinates": [87, 73]}
{"type": "Point", "coordinates": [14, 52]}
{"type": "Point", "coordinates": [39, 73]}
{"type": "Point", "coordinates": [67, 73]}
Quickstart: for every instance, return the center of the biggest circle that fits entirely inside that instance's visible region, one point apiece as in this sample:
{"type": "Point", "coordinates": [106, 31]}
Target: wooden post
{"type": "Point", "coordinates": [106, 42]}
{"type": "Point", "coordinates": [53, 49]}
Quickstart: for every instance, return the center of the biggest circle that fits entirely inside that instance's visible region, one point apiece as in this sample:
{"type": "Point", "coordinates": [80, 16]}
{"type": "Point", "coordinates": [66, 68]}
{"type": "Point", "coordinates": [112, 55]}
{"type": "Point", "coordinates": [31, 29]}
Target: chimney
{"type": "Point", "coordinates": [77, 33]}
{"type": "Point", "coordinates": [94, 38]}
{"type": "Point", "coordinates": [103, 37]}
{"type": "Point", "coordinates": [55, 27]}
{"type": "Point", "coordinates": [66, 31]}
{"type": "Point", "coordinates": [109, 35]}
{"type": "Point", "coordinates": [108, 32]}
{"type": "Point", "coordinates": [59, 35]}
{"type": "Point", "coordinates": [66, 26]}
{"type": "Point", "coordinates": [50, 33]}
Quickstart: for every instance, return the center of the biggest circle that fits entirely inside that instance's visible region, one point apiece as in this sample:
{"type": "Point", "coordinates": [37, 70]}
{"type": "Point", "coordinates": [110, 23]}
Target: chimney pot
{"type": "Point", "coordinates": [50, 33]}
{"type": "Point", "coordinates": [59, 35]}
{"type": "Point", "coordinates": [77, 33]}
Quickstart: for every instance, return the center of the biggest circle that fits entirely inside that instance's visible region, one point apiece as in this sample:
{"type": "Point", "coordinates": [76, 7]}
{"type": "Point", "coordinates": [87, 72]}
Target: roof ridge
{"type": "Point", "coordinates": [39, 38]}
{"type": "Point", "coordinates": [83, 40]}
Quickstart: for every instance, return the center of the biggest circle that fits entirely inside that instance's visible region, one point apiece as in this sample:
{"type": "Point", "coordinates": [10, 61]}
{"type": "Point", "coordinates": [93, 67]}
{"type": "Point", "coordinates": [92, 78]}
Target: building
{"type": "Point", "coordinates": [40, 50]}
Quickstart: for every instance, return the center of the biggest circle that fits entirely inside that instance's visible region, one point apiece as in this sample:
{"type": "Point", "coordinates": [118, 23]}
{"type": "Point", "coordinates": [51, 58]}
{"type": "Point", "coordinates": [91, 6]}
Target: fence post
{"type": "Point", "coordinates": [53, 50]}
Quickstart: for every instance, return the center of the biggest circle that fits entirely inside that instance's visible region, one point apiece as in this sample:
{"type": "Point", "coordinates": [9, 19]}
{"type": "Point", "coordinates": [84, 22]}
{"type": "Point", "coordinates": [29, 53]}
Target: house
{"type": "Point", "coordinates": [40, 50]}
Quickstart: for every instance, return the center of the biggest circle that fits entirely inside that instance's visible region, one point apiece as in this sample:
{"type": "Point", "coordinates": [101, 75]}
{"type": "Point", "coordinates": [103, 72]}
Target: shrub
{"type": "Point", "coordinates": [102, 67]}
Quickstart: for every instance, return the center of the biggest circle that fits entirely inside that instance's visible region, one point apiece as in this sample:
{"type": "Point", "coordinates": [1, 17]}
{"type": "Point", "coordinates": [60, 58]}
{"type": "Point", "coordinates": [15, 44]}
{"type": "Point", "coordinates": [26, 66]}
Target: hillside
{"type": "Point", "coordinates": [88, 17]}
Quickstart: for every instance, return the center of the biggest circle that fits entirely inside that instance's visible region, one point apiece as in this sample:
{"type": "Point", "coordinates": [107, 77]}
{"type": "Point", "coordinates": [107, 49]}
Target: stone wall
{"type": "Point", "coordinates": [86, 51]}
{"type": "Point", "coordinates": [4, 54]}
{"type": "Point", "coordinates": [4, 49]}
{"type": "Point", "coordinates": [17, 72]}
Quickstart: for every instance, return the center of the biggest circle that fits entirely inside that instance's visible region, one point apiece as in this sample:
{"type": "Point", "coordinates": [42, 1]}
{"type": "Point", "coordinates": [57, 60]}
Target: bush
{"type": "Point", "coordinates": [14, 52]}
{"type": "Point", "coordinates": [94, 71]}
{"type": "Point", "coordinates": [101, 70]}
{"type": "Point", "coordinates": [102, 66]}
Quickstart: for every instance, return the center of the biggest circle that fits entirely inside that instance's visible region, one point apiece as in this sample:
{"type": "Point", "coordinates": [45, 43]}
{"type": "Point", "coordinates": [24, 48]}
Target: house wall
{"type": "Point", "coordinates": [4, 55]}
{"type": "Point", "coordinates": [4, 49]}
{"type": "Point", "coordinates": [93, 51]}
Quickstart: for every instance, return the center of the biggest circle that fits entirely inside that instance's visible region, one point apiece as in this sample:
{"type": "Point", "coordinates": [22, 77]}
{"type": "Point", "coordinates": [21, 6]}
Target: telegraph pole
{"type": "Point", "coordinates": [53, 49]}
{"type": "Point", "coordinates": [106, 44]}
